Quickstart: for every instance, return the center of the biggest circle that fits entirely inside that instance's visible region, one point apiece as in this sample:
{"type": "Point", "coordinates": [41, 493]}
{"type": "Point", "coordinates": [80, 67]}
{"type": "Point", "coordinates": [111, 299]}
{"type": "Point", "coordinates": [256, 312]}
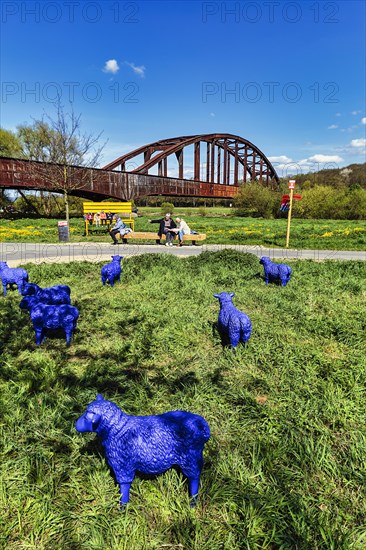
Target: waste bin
{"type": "Point", "coordinates": [63, 231]}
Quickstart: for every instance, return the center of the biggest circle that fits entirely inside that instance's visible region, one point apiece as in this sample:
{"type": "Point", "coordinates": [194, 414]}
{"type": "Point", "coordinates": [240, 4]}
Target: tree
{"type": "Point", "coordinates": [35, 140]}
{"type": "Point", "coordinates": [10, 145]}
{"type": "Point", "coordinates": [59, 141]}
{"type": "Point", "coordinates": [256, 200]}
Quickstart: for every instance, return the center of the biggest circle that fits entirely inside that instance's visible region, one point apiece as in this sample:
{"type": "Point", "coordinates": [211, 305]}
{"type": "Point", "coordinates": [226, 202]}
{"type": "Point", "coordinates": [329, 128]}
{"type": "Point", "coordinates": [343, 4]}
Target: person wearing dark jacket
{"type": "Point", "coordinates": [166, 224]}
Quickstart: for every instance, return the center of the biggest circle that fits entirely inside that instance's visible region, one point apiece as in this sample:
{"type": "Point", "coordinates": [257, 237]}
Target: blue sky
{"type": "Point", "coordinates": [289, 76]}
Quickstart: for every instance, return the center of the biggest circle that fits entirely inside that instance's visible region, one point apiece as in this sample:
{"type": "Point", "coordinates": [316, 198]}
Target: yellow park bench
{"type": "Point", "coordinates": [109, 208]}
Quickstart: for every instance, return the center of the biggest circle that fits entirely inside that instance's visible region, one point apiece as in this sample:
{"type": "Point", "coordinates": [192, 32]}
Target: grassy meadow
{"type": "Point", "coordinates": [285, 467]}
{"type": "Point", "coordinates": [220, 226]}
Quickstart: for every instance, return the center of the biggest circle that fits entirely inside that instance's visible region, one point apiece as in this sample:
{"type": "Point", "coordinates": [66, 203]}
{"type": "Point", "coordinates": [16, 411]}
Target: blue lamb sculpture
{"type": "Point", "coordinates": [147, 444]}
{"type": "Point", "coordinates": [275, 272]}
{"type": "Point", "coordinates": [44, 317]}
{"type": "Point", "coordinates": [234, 325]}
{"type": "Point", "coordinates": [53, 295]}
{"type": "Point", "coordinates": [112, 272]}
{"type": "Point", "coordinates": [12, 275]}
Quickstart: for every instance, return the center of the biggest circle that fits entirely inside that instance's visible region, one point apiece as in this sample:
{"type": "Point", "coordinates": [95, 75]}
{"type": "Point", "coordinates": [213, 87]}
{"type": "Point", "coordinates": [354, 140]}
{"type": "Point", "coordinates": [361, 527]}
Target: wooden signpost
{"type": "Point", "coordinates": [291, 186]}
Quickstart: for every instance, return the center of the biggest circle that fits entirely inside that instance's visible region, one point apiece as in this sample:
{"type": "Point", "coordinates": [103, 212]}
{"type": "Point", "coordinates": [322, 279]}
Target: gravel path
{"type": "Point", "coordinates": [20, 253]}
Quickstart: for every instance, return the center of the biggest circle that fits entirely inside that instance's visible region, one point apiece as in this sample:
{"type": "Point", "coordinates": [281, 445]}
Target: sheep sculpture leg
{"type": "Point", "coordinates": [40, 335]}
{"type": "Point", "coordinates": [193, 486]}
{"type": "Point", "coordinates": [124, 489]}
{"type": "Point", "coordinates": [68, 333]}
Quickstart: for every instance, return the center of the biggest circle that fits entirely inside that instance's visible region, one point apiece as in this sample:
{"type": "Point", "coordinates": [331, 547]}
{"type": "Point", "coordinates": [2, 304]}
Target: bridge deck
{"type": "Point", "coordinates": [99, 184]}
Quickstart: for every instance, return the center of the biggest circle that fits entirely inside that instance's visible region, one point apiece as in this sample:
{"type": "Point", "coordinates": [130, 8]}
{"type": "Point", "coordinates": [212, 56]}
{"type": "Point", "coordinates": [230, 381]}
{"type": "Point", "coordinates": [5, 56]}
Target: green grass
{"type": "Point", "coordinates": [219, 225]}
{"type": "Point", "coordinates": [285, 465]}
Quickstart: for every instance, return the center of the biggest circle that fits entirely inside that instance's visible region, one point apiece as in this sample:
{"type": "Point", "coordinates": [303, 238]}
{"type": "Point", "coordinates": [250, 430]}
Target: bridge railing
{"type": "Point", "coordinates": [94, 182]}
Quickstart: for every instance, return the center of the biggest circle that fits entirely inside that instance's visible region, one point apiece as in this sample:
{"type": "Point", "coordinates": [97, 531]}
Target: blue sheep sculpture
{"type": "Point", "coordinates": [45, 317]}
{"type": "Point", "coordinates": [12, 275]}
{"type": "Point", "coordinates": [112, 272]}
{"type": "Point", "coordinates": [275, 272]}
{"type": "Point", "coordinates": [147, 444]}
{"type": "Point", "coordinates": [234, 325]}
{"type": "Point", "coordinates": [53, 295]}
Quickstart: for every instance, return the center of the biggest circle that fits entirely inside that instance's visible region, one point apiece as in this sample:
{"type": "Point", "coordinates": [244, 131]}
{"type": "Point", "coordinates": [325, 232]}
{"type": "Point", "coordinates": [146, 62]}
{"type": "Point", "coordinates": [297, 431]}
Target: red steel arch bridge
{"type": "Point", "coordinates": [206, 165]}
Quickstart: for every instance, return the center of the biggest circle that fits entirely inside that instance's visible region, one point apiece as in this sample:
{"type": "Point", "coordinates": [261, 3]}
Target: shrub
{"type": "Point", "coordinates": [356, 204]}
{"type": "Point", "coordinates": [324, 202]}
{"type": "Point", "coordinates": [257, 201]}
{"type": "Point", "coordinates": [167, 207]}
{"type": "Point", "coordinates": [202, 211]}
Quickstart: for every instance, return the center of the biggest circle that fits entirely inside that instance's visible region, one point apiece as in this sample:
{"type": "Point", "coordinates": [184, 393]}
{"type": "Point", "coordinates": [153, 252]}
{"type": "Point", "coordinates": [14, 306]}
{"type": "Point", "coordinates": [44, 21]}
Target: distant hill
{"type": "Point", "coordinates": [353, 175]}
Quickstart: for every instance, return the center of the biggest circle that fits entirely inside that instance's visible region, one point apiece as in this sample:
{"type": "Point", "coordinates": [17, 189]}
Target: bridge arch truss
{"type": "Point", "coordinates": [223, 159]}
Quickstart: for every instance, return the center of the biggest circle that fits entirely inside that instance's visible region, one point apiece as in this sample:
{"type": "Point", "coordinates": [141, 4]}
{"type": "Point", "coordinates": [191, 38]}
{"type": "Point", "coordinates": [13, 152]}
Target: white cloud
{"type": "Point", "coordinates": [338, 114]}
{"type": "Point", "coordinates": [111, 66]}
{"type": "Point", "coordinates": [283, 159]}
{"type": "Point", "coordinates": [356, 112]}
{"type": "Point", "coordinates": [360, 142]}
{"type": "Point", "coordinates": [363, 120]}
{"type": "Point", "coordinates": [286, 166]}
{"type": "Point", "coordinates": [212, 114]}
{"type": "Point", "coordinates": [325, 158]}
{"type": "Point", "coordinates": [332, 126]}
{"type": "Point", "coordinates": [137, 70]}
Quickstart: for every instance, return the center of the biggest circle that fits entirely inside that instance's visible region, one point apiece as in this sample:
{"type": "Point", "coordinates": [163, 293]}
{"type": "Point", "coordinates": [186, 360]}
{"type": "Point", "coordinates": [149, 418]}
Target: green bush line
{"type": "Point", "coordinates": [220, 226]}
{"type": "Point", "coordinates": [318, 202]}
{"type": "Point", "coordinates": [285, 465]}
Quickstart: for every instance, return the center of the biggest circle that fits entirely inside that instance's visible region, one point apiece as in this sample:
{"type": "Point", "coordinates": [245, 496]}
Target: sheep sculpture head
{"type": "Point", "coordinates": [30, 289]}
{"type": "Point", "coordinates": [147, 444]}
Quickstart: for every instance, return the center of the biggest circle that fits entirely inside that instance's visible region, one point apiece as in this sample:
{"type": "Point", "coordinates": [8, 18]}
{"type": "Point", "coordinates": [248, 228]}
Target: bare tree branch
{"type": "Point", "coordinates": [64, 151]}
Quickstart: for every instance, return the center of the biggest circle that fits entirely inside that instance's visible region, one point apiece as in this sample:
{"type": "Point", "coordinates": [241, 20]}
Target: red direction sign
{"type": "Point", "coordinates": [295, 197]}
{"type": "Point", "coordinates": [291, 184]}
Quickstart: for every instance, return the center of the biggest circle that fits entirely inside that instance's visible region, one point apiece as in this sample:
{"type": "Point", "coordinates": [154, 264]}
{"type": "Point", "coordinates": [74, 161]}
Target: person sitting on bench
{"type": "Point", "coordinates": [165, 228]}
{"type": "Point", "coordinates": [119, 227]}
{"type": "Point", "coordinates": [183, 229]}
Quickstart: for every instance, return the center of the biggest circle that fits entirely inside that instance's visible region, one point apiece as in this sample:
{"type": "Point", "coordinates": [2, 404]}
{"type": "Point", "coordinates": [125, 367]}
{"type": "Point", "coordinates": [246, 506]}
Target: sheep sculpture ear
{"type": "Point", "coordinates": [99, 397]}
{"type": "Point", "coordinates": [216, 296]}
{"type": "Point", "coordinates": [232, 294]}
